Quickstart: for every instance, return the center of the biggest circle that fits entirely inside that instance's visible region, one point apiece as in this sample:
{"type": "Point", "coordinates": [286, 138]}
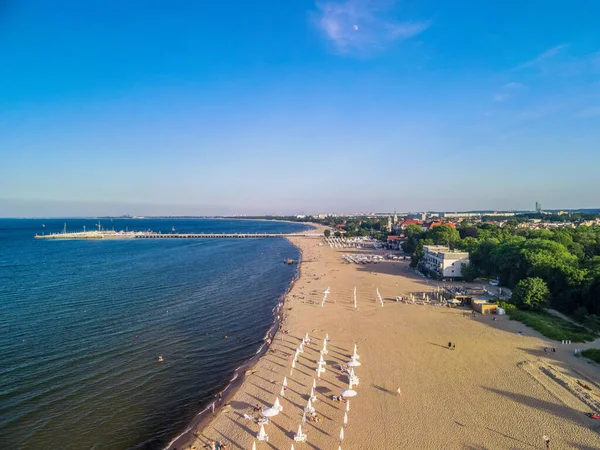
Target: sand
{"type": "Point", "coordinates": [496, 390]}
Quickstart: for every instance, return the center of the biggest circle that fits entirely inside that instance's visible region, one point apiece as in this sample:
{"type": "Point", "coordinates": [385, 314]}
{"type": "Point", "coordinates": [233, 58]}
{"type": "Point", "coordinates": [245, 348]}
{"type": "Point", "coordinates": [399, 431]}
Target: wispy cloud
{"type": "Point", "coordinates": [550, 53]}
{"type": "Point", "coordinates": [363, 27]}
{"type": "Point", "coordinates": [507, 91]}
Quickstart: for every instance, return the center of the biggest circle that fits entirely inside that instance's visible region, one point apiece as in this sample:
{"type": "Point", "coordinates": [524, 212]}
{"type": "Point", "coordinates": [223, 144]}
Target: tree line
{"type": "Point", "coordinates": [560, 267]}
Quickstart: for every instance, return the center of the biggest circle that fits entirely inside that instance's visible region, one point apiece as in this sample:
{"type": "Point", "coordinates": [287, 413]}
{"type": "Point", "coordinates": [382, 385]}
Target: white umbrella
{"type": "Point", "coordinates": [348, 406]}
{"type": "Point", "coordinates": [303, 417]}
{"type": "Point", "coordinates": [326, 337]}
{"type": "Point", "coordinates": [282, 391]}
{"type": "Point", "coordinates": [342, 434]}
{"type": "Point", "coordinates": [353, 363]}
{"type": "Point", "coordinates": [277, 405]}
{"type": "Point", "coordinates": [293, 364]}
{"type": "Point", "coordinates": [253, 445]}
{"type": "Point", "coordinates": [345, 418]}
{"type": "Point", "coordinates": [309, 407]}
{"type": "Point", "coordinates": [284, 381]}
{"type": "Point", "coordinates": [314, 383]}
{"type": "Point", "coordinates": [261, 434]}
{"type": "Point", "coordinates": [312, 395]}
{"type": "Point", "coordinates": [349, 392]}
{"type": "Point", "coordinates": [306, 338]}
{"type": "Point", "coordinates": [291, 372]}
{"type": "Point", "coordinates": [322, 361]}
{"type": "Point", "coordinates": [292, 447]}
{"type": "Point", "coordinates": [270, 412]}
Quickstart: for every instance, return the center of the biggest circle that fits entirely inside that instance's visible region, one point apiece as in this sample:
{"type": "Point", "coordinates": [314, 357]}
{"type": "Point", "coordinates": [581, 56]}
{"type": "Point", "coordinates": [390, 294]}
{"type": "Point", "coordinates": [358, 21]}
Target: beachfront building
{"type": "Point", "coordinates": [443, 262]}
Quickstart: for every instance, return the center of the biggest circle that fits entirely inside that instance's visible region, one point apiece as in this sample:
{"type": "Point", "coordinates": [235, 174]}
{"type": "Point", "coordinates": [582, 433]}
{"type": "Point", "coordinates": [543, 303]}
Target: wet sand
{"type": "Point", "coordinates": [497, 389]}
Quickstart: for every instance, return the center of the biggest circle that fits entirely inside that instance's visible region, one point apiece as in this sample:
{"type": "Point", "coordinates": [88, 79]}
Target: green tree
{"type": "Point", "coordinates": [443, 235]}
{"type": "Point", "coordinates": [469, 272]}
{"type": "Point", "coordinates": [326, 233]}
{"type": "Point", "coordinates": [531, 293]}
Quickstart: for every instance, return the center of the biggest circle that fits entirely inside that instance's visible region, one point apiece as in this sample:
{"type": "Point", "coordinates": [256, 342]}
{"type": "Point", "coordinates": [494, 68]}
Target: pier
{"type": "Point", "coordinates": [114, 235]}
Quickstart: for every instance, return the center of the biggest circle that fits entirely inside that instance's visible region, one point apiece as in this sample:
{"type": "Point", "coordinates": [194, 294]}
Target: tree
{"type": "Point", "coordinates": [326, 233]}
{"type": "Point", "coordinates": [443, 235]}
{"type": "Point", "coordinates": [531, 293]}
{"type": "Point", "coordinates": [469, 272]}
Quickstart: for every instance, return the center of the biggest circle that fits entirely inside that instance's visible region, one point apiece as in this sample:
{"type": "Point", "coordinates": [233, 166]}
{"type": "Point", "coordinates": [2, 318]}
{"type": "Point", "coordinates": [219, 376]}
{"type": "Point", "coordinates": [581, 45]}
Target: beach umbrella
{"type": "Point", "coordinates": [291, 372]}
{"type": "Point", "coordinates": [306, 339]}
{"type": "Point", "coordinates": [322, 361]}
{"type": "Point", "coordinates": [314, 383]}
{"type": "Point", "coordinates": [345, 418]}
{"type": "Point", "coordinates": [348, 406]}
{"type": "Point", "coordinates": [355, 354]}
{"type": "Point", "coordinates": [284, 381]}
{"type": "Point", "coordinates": [309, 407]}
{"type": "Point", "coordinates": [253, 445]}
{"type": "Point", "coordinates": [277, 405]}
{"type": "Point", "coordinates": [282, 391]}
{"type": "Point", "coordinates": [342, 434]}
{"type": "Point", "coordinates": [292, 447]}
{"type": "Point", "coordinates": [349, 392]}
{"type": "Point", "coordinates": [294, 364]}
{"type": "Point", "coordinates": [303, 417]}
{"type": "Point", "coordinates": [261, 433]}
{"type": "Point", "coordinates": [353, 363]}
{"type": "Point", "coordinates": [313, 397]}
{"type": "Point", "coordinates": [326, 337]}
{"type": "Point", "coordinates": [270, 412]}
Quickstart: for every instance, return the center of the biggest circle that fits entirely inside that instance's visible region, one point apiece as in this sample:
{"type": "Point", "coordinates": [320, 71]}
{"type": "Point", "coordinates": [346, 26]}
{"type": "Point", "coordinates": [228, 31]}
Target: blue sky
{"type": "Point", "coordinates": [193, 107]}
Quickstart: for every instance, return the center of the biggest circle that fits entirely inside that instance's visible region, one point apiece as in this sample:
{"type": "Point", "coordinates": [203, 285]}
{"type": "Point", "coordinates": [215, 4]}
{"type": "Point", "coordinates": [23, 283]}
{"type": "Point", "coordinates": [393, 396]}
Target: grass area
{"type": "Point", "coordinates": [550, 326]}
{"type": "Point", "coordinates": [592, 353]}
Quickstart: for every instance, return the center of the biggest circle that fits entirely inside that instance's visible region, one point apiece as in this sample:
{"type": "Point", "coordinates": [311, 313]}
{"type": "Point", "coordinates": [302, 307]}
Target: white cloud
{"type": "Point", "coordinates": [550, 53]}
{"type": "Point", "coordinates": [363, 26]}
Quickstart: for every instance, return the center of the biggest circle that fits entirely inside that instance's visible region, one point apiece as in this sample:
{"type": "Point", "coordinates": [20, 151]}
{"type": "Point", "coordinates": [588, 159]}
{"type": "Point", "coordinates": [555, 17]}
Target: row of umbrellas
{"type": "Point", "coordinates": [347, 393]}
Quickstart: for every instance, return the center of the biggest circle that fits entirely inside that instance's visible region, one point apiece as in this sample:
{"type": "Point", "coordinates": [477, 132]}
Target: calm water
{"type": "Point", "coordinates": [83, 322]}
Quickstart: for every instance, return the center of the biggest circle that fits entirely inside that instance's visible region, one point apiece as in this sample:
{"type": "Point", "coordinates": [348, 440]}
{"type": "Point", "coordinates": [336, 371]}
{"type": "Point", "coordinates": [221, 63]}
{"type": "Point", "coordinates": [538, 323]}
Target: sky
{"type": "Point", "coordinates": [291, 107]}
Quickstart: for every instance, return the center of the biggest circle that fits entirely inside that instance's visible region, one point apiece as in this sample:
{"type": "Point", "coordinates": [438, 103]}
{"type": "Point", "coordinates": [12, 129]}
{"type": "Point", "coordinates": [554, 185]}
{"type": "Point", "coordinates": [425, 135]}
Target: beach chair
{"type": "Point", "coordinates": [248, 416]}
{"type": "Point", "coordinates": [263, 421]}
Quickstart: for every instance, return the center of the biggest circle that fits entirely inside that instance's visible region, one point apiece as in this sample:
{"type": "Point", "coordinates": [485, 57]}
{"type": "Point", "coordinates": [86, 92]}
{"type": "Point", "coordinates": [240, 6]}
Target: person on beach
{"type": "Point", "coordinates": [449, 344]}
{"type": "Point", "coordinates": [454, 346]}
{"type": "Point", "coordinates": [547, 442]}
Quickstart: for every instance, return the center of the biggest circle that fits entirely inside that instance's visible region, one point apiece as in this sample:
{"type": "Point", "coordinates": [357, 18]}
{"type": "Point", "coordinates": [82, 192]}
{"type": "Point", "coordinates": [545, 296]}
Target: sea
{"type": "Point", "coordinates": [83, 323]}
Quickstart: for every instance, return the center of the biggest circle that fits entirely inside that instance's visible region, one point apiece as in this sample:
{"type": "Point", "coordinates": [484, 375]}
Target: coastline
{"type": "Point", "coordinates": [479, 395]}
{"type": "Point", "coordinates": [203, 419]}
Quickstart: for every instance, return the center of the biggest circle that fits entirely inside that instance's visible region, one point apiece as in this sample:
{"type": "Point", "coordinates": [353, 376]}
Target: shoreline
{"type": "Point", "coordinates": [203, 419]}
{"type": "Point", "coordinates": [478, 395]}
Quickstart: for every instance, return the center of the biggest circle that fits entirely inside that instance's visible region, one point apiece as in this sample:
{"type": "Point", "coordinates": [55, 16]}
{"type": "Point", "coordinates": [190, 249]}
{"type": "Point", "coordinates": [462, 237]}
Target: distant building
{"type": "Point", "coordinates": [442, 261]}
{"type": "Point", "coordinates": [538, 207]}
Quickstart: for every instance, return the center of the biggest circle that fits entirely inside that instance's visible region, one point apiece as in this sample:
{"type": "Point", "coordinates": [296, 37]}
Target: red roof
{"type": "Point", "coordinates": [438, 223]}
{"type": "Point", "coordinates": [411, 222]}
{"type": "Point", "coordinates": [396, 238]}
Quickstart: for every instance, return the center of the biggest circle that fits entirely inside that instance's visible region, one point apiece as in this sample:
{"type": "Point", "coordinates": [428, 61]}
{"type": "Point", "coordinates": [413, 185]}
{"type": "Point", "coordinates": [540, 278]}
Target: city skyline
{"type": "Point", "coordinates": [306, 107]}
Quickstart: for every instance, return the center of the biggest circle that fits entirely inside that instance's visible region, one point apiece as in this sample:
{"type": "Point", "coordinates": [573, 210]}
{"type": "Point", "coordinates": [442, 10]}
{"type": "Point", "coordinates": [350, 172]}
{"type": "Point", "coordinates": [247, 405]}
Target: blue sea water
{"type": "Point", "coordinates": [82, 324]}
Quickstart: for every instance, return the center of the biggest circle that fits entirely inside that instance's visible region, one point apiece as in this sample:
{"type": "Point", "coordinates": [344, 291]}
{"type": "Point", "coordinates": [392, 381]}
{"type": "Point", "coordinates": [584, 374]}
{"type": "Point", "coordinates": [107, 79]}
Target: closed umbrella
{"type": "Point", "coordinates": [342, 434]}
{"type": "Point", "coordinates": [345, 418]}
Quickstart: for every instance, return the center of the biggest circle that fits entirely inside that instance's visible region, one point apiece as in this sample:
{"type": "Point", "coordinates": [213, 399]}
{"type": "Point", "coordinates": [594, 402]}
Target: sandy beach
{"type": "Point", "coordinates": [496, 390]}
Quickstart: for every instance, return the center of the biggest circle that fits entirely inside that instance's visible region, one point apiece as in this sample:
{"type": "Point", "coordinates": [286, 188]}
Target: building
{"type": "Point", "coordinates": [538, 207]}
{"type": "Point", "coordinates": [483, 306]}
{"type": "Point", "coordinates": [443, 262]}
